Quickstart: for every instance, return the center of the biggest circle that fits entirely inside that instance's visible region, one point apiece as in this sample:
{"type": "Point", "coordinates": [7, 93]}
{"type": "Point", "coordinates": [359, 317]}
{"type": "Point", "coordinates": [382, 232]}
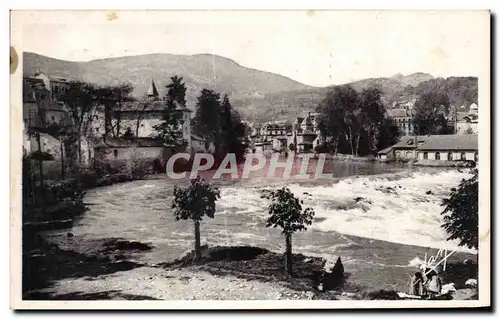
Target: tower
{"type": "Point", "coordinates": [153, 92]}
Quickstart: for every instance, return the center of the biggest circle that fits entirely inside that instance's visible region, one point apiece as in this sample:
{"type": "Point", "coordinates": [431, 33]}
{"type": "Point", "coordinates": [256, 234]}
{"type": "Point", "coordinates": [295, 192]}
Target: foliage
{"type": "Point", "coordinates": [429, 118]}
{"type": "Point", "coordinates": [113, 98]}
{"type": "Point", "coordinates": [286, 211]}
{"type": "Point", "coordinates": [461, 212]}
{"type": "Point", "coordinates": [233, 137]}
{"type": "Point", "coordinates": [460, 90]}
{"type": "Point", "coordinates": [195, 201]}
{"type": "Point", "coordinates": [40, 156]}
{"type": "Point", "coordinates": [206, 121]}
{"type": "Point", "coordinates": [169, 131]}
{"type": "Point", "coordinates": [388, 134]}
{"type": "Point", "coordinates": [354, 122]}
{"type": "Point", "coordinates": [176, 90]}
{"type": "Point", "coordinates": [128, 134]}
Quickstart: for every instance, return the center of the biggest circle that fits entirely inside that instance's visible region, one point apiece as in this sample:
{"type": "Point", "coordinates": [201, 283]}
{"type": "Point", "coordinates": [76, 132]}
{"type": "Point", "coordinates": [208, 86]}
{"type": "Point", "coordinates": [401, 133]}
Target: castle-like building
{"type": "Point", "coordinates": [302, 136]}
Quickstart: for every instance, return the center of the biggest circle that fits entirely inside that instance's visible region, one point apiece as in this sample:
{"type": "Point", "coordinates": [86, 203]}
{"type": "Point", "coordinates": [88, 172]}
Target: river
{"type": "Point", "coordinates": [380, 218]}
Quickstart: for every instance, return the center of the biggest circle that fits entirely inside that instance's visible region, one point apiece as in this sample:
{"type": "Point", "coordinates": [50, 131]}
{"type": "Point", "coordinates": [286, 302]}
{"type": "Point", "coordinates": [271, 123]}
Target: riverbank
{"type": "Point", "coordinates": [79, 269]}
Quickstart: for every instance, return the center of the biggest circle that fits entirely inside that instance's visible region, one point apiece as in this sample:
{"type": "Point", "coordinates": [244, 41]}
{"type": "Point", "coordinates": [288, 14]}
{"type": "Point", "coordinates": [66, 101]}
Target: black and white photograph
{"type": "Point", "coordinates": [305, 159]}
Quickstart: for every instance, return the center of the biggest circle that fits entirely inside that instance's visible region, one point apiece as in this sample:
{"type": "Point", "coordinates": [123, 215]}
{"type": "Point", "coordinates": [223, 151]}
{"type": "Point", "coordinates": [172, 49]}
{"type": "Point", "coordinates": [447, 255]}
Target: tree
{"type": "Point", "coordinates": [286, 212]}
{"type": "Point", "coordinates": [113, 98]}
{"type": "Point", "coordinates": [233, 131]}
{"type": "Point", "coordinates": [80, 99]}
{"type": "Point", "coordinates": [176, 90]}
{"type": "Point", "coordinates": [428, 118]}
{"type": "Point", "coordinates": [372, 116]}
{"type": "Point", "coordinates": [206, 121]}
{"type": "Point", "coordinates": [341, 116]}
{"type": "Point", "coordinates": [388, 134]}
{"type": "Point", "coordinates": [194, 202]}
{"type": "Point", "coordinates": [461, 212]}
{"type": "Point", "coordinates": [169, 131]}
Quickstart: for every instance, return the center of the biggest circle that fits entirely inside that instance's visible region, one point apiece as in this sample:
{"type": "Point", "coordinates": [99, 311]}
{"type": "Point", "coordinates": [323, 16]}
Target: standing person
{"type": "Point", "coordinates": [417, 284]}
{"type": "Point", "coordinates": [433, 284]}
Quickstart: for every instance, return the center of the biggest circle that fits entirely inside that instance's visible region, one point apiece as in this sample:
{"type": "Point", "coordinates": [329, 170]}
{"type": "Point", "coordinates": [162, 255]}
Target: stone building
{"type": "Point", "coordinates": [468, 124]}
{"type": "Point", "coordinates": [403, 114]}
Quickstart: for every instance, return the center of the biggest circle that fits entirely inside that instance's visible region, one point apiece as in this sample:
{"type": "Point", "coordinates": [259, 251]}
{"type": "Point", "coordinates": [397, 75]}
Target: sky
{"type": "Point", "coordinates": [317, 48]}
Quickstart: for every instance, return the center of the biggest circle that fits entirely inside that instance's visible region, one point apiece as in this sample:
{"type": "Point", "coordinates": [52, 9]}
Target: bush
{"type": "Point", "coordinates": [324, 148]}
{"type": "Point", "coordinates": [461, 212]}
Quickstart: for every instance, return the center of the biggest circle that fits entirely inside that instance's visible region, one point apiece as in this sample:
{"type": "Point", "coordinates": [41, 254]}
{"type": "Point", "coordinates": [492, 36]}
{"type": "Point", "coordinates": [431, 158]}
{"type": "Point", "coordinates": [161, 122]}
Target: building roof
{"type": "Point", "coordinates": [408, 142]}
{"type": "Point", "coordinates": [125, 143]}
{"type": "Point", "coordinates": [197, 138]}
{"type": "Point", "coordinates": [307, 120]}
{"type": "Point", "coordinates": [399, 112]}
{"type": "Point", "coordinates": [385, 150]}
{"type": "Point", "coordinates": [450, 142]}
{"type": "Point", "coordinates": [150, 106]}
{"type": "Point", "coordinates": [461, 115]}
{"type": "Point", "coordinates": [152, 91]}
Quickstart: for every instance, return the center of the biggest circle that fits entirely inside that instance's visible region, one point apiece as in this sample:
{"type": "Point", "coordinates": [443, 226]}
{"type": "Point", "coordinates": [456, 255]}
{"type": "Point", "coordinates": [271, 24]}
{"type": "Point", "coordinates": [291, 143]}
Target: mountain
{"type": "Point", "coordinates": [258, 95]}
{"type": "Point", "coordinates": [289, 104]}
{"type": "Point", "coordinates": [199, 71]}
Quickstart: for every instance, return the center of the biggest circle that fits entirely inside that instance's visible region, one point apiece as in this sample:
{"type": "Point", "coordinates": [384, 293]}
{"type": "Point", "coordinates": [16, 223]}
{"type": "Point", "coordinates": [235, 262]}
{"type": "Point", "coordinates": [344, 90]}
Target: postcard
{"type": "Point", "coordinates": [250, 159]}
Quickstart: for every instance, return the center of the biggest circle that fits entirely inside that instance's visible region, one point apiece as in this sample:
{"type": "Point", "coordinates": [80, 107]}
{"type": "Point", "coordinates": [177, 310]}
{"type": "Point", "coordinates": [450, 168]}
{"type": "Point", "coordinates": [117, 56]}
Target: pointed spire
{"type": "Point", "coordinates": [152, 91]}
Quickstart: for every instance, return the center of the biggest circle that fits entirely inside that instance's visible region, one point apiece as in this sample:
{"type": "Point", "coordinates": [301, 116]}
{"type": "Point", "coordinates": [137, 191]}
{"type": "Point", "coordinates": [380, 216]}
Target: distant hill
{"type": "Point", "coordinates": [258, 95]}
{"type": "Point", "coordinates": [199, 71]}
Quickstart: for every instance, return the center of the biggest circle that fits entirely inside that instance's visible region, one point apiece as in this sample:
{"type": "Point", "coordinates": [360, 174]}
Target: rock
{"type": "Point", "coordinates": [127, 245]}
{"type": "Point", "coordinates": [383, 295]}
{"type": "Point", "coordinates": [471, 282]}
{"type": "Point", "coordinates": [357, 199]}
{"type": "Point", "coordinates": [448, 288]}
{"type": "Point", "coordinates": [335, 278]}
{"type": "Point", "coordinates": [428, 193]}
{"type": "Point", "coordinates": [69, 235]}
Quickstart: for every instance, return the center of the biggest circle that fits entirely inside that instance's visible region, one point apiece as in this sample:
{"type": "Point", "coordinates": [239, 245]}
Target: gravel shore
{"type": "Point", "coordinates": [177, 284]}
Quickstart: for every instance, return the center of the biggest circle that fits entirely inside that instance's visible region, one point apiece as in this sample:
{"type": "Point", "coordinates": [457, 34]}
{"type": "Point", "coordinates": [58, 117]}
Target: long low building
{"type": "Point", "coordinates": [433, 147]}
{"type": "Point", "coordinates": [449, 148]}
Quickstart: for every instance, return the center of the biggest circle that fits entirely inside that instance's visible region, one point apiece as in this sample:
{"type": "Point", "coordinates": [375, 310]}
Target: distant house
{"type": "Point", "coordinates": [406, 148]}
{"type": "Point", "coordinates": [201, 145]}
{"type": "Point", "coordinates": [53, 84]}
{"type": "Point", "coordinates": [39, 108]}
{"type": "Point", "coordinates": [433, 147]}
{"type": "Point", "coordinates": [468, 123]}
{"type": "Point", "coordinates": [140, 117]}
{"type": "Point", "coordinates": [386, 154]}
{"type": "Point", "coordinates": [449, 148]}
{"type": "Point", "coordinates": [113, 149]}
{"type": "Point", "coordinates": [403, 116]}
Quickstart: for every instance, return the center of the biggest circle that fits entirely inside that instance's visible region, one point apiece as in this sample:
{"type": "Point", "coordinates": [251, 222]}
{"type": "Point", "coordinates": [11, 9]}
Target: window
{"type": "Point", "coordinates": [426, 155]}
{"type": "Point", "coordinates": [450, 156]}
{"type": "Point", "coordinates": [115, 153]}
{"type": "Point", "coordinates": [437, 156]}
{"type": "Point", "coordinates": [462, 156]}
{"type": "Point", "coordinates": [476, 156]}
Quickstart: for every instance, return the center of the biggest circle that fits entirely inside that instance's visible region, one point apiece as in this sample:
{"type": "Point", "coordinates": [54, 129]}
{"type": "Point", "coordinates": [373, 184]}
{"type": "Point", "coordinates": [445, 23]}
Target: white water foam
{"type": "Point", "coordinates": [405, 210]}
